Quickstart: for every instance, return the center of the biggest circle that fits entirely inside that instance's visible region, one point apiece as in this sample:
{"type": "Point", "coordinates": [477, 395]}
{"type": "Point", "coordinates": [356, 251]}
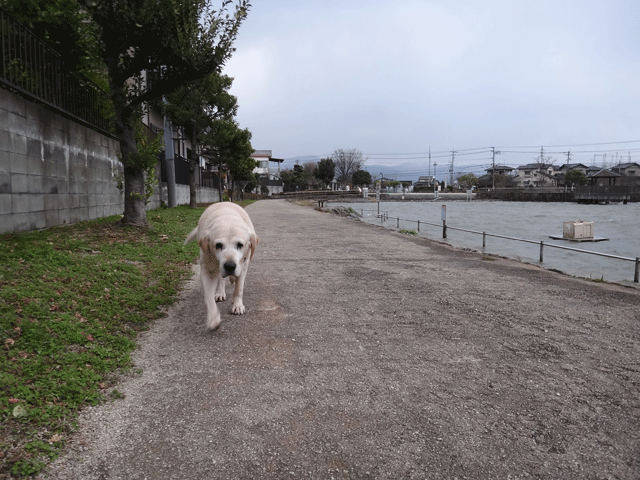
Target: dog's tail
{"type": "Point", "coordinates": [192, 236]}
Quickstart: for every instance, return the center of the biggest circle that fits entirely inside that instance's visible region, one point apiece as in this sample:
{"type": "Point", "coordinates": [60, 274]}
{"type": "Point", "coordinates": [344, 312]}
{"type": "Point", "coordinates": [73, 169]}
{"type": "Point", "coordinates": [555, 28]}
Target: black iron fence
{"type": "Point", "coordinates": [32, 68]}
{"type": "Point", "coordinates": [208, 179]}
{"type": "Point", "coordinates": [181, 168]}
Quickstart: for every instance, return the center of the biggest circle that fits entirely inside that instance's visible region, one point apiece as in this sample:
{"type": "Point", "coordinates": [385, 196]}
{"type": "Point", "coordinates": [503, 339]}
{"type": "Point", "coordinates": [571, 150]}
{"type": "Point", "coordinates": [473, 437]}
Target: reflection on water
{"type": "Point", "coordinates": [531, 221]}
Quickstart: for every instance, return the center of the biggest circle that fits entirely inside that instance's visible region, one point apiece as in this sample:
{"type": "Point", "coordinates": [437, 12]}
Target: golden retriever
{"type": "Point", "coordinates": [227, 243]}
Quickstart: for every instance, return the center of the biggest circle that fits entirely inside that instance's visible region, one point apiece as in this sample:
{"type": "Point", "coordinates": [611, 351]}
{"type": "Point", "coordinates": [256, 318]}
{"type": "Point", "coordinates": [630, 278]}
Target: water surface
{"type": "Point", "coordinates": [531, 221]}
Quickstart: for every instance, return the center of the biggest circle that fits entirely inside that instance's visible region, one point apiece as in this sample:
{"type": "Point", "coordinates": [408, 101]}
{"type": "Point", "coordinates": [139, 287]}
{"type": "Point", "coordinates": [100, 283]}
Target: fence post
{"type": "Point", "coordinates": [444, 221]}
{"type": "Point", "coordinates": [636, 276]}
{"type": "Point", "coordinates": [484, 239]}
{"type": "Point", "coordinates": [418, 225]}
{"type": "Point", "coordinates": [398, 224]}
{"type": "Point", "coordinates": [541, 248]}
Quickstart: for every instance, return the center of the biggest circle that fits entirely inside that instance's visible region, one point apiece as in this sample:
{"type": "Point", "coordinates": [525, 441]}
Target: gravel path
{"type": "Point", "coordinates": [365, 353]}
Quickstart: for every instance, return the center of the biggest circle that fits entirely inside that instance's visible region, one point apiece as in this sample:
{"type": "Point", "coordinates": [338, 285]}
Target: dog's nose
{"type": "Point", "coordinates": [229, 267]}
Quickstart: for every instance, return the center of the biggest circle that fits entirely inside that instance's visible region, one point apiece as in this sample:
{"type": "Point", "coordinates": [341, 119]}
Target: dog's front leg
{"type": "Point", "coordinates": [237, 308]}
{"type": "Point", "coordinates": [210, 285]}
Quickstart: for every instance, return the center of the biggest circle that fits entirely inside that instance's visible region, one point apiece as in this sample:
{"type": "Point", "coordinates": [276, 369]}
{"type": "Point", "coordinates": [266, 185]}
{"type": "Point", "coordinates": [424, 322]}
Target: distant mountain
{"type": "Point", "coordinates": [404, 171]}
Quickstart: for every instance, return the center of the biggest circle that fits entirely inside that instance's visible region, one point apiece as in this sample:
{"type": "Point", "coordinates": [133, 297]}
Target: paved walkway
{"type": "Point", "coordinates": [365, 353]}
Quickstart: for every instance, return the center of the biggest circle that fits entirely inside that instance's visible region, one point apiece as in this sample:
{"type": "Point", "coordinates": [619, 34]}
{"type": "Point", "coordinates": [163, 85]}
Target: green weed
{"type": "Point", "coordinates": [597, 280]}
{"type": "Point", "coordinates": [408, 232]}
{"type": "Point", "coordinates": [72, 301]}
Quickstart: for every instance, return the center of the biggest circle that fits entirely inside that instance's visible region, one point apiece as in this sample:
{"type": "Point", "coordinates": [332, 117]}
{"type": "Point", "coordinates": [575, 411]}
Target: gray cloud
{"type": "Point", "coordinates": [400, 77]}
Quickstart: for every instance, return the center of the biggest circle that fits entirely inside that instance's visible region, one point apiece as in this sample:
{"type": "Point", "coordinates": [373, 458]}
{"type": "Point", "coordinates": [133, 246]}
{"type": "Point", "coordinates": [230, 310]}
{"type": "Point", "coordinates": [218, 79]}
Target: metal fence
{"type": "Point", "coordinates": [332, 195]}
{"type": "Point", "coordinates": [32, 68]}
{"type": "Point", "coordinates": [384, 216]}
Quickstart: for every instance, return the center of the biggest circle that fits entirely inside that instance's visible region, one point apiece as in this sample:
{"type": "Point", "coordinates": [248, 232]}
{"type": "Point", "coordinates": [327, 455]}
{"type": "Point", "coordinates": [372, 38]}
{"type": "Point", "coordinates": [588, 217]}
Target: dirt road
{"type": "Point", "coordinates": [365, 353]}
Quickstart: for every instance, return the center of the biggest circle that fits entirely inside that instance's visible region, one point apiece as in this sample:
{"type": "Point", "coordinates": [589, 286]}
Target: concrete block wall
{"type": "Point", "coordinates": [54, 171]}
{"type": "Point", "coordinates": [203, 194]}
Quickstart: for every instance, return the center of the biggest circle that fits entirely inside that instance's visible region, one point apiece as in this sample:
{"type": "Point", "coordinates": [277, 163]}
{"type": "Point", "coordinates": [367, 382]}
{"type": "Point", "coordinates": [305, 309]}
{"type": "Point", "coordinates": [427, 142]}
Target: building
{"type": "Point", "coordinates": [424, 183]}
{"type": "Point", "coordinates": [604, 178]}
{"type": "Point", "coordinates": [536, 175]}
{"type": "Point", "coordinates": [627, 169]}
{"type": "Point", "coordinates": [568, 167]}
{"type": "Point", "coordinates": [500, 170]}
{"type": "Point", "coordinates": [270, 181]}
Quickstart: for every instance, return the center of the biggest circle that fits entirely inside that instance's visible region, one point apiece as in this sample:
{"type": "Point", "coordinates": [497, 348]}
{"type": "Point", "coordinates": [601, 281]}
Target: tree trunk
{"type": "Point", "coordinates": [135, 213]}
{"type": "Point", "coordinates": [219, 182]}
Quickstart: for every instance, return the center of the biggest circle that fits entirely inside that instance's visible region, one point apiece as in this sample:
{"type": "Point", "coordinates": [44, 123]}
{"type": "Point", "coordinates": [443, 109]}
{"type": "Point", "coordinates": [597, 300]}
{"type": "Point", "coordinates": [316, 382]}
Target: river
{"type": "Point", "coordinates": [619, 223]}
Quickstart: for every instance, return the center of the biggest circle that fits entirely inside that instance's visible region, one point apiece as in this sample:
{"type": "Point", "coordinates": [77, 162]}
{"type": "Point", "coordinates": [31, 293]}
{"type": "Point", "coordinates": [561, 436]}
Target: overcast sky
{"type": "Point", "coordinates": [394, 79]}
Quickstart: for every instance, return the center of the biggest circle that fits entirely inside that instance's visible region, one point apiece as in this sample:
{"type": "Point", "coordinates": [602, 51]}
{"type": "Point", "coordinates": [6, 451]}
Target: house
{"type": "Point", "coordinates": [500, 170]}
{"type": "Point", "coordinates": [568, 167]}
{"type": "Point", "coordinates": [425, 182]}
{"type": "Point", "coordinates": [270, 180]}
{"type": "Point", "coordinates": [627, 169]}
{"type": "Point", "coordinates": [536, 175]}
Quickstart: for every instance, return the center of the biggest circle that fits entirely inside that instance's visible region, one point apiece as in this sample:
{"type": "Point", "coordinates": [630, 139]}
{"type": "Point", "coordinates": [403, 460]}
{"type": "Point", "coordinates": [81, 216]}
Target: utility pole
{"type": "Point", "coordinates": [453, 154]}
{"type": "Point", "coordinates": [493, 172]}
{"type": "Point", "coordinates": [429, 160]}
{"type": "Point", "coordinates": [568, 157]}
{"type": "Point", "coordinates": [434, 176]}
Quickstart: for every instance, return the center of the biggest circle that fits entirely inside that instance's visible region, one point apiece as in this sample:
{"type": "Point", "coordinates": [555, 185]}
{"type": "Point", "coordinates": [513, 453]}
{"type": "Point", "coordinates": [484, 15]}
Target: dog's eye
{"type": "Point", "coordinates": [218, 246]}
{"type": "Point", "coordinates": [240, 245]}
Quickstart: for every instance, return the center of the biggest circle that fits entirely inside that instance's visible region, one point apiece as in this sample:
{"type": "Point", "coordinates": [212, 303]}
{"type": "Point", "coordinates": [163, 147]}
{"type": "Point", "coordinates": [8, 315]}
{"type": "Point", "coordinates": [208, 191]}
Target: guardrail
{"type": "Point", "coordinates": [384, 216]}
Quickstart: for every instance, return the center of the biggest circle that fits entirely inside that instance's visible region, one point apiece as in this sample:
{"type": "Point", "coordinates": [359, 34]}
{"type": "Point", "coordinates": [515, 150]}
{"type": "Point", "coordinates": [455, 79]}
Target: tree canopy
{"type": "Point", "coordinates": [174, 43]}
{"type": "Point", "coordinates": [225, 144]}
{"type": "Point", "coordinates": [347, 162]}
{"type": "Point", "coordinates": [468, 180]}
{"type": "Point", "coordinates": [361, 177]}
{"type": "Point", "coordinates": [576, 177]}
{"type": "Point", "coordinates": [325, 171]}
{"type": "Point", "coordinates": [195, 106]}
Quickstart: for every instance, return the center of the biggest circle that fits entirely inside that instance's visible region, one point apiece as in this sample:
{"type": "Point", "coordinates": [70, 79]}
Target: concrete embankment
{"type": "Point", "coordinates": [365, 353]}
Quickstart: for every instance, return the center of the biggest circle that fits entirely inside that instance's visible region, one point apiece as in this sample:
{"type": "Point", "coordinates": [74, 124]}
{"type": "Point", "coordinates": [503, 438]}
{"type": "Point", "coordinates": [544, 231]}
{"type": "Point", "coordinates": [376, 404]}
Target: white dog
{"type": "Point", "coordinates": [227, 243]}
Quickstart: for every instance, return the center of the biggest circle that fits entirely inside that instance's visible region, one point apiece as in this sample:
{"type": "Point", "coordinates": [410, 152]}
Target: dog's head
{"type": "Point", "coordinates": [229, 249]}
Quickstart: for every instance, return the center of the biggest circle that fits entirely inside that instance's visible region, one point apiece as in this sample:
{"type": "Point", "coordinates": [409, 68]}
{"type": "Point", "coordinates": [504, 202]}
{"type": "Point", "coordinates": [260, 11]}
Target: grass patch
{"type": "Point", "coordinates": [597, 280]}
{"type": "Point", "coordinates": [72, 301]}
{"type": "Point", "coordinates": [407, 231]}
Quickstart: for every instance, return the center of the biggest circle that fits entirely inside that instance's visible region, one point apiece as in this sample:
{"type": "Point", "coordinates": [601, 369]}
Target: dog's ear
{"type": "Point", "coordinates": [204, 243]}
{"type": "Point", "coordinates": [254, 243]}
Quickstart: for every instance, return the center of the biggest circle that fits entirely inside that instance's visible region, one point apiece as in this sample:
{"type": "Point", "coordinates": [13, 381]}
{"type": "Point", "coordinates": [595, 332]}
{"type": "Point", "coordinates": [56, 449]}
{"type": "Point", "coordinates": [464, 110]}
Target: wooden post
{"type": "Point", "coordinates": [636, 276]}
{"type": "Point", "coordinates": [541, 249]}
{"type": "Point", "coordinates": [484, 239]}
{"type": "Point", "coordinates": [418, 225]}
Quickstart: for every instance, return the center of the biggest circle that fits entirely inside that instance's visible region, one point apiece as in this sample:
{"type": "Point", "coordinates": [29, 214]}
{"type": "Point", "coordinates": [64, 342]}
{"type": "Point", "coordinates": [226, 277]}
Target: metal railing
{"type": "Point", "coordinates": [322, 194]}
{"type": "Point", "coordinates": [384, 216]}
{"type": "Point", "coordinates": [30, 67]}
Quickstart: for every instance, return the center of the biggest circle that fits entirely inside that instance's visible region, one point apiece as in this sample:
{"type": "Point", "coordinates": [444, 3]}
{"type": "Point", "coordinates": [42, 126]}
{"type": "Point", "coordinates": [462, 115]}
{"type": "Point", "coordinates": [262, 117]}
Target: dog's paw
{"type": "Point", "coordinates": [213, 322]}
{"type": "Point", "coordinates": [237, 308]}
{"type": "Point", "coordinates": [220, 297]}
